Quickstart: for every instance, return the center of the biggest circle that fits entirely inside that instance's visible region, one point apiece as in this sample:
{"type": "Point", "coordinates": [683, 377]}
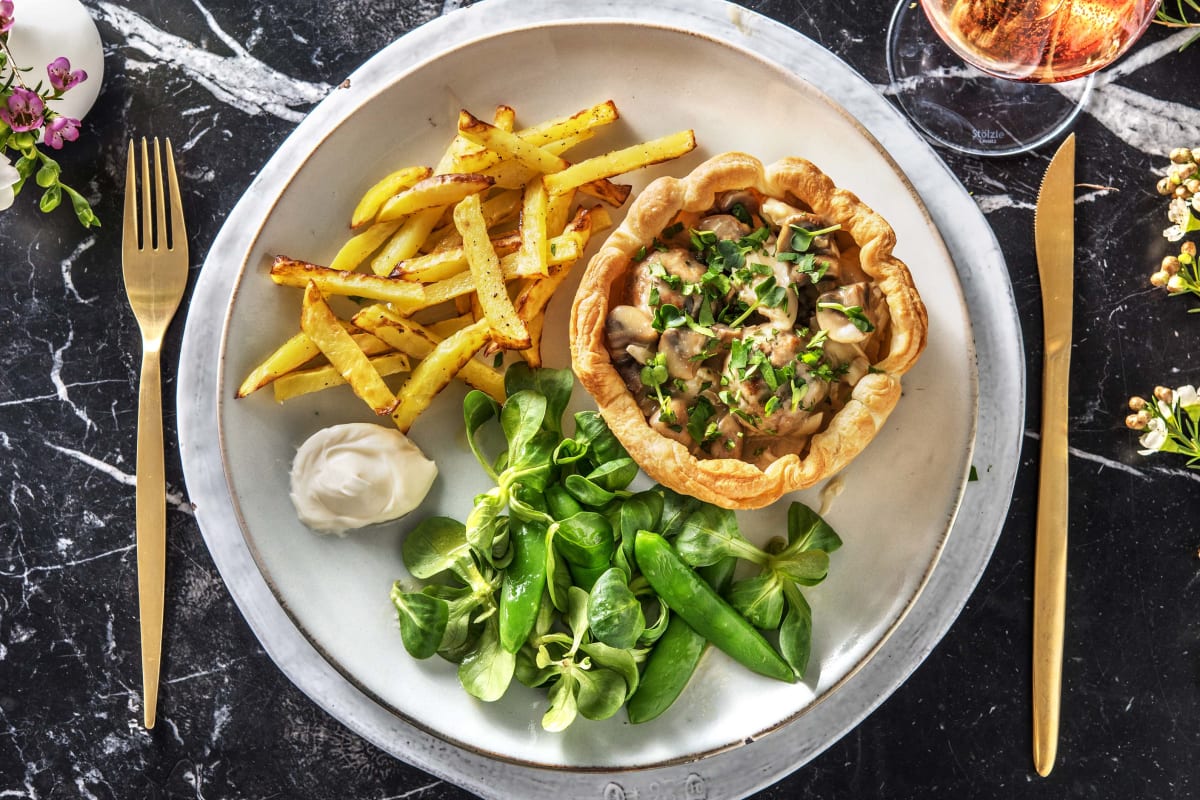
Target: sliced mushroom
{"type": "Point", "coordinates": [728, 442]}
{"type": "Point", "coordinates": [750, 200]}
{"type": "Point", "coordinates": [676, 263]}
{"type": "Point", "coordinates": [629, 325]}
{"type": "Point", "coordinates": [837, 324]}
{"type": "Point", "coordinates": [675, 425]}
{"type": "Point", "coordinates": [681, 346]}
{"type": "Point", "coordinates": [725, 226]}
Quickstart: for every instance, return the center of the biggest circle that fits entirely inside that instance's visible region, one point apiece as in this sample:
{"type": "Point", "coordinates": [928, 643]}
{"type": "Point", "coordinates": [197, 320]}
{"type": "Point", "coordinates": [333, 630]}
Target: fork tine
{"type": "Point", "coordinates": [129, 227]}
{"type": "Point", "coordinates": [160, 231]}
{"type": "Point", "coordinates": [178, 233]}
{"type": "Point", "coordinates": [147, 228]}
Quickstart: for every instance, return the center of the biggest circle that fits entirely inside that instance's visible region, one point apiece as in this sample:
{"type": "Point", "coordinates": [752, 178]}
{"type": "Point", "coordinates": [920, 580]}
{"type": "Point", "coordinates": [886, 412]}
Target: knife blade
{"type": "Point", "coordinates": [1054, 239]}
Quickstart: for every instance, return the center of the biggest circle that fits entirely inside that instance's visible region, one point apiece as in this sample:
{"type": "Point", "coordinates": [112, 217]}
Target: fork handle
{"type": "Point", "coordinates": [151, 507]}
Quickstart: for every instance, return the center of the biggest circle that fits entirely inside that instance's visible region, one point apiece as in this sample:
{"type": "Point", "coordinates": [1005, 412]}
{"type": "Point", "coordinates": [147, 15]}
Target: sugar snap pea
{"type": "Point", "coordinates": [674, 658]}
{"type": "Point", "coordinates": [686, 594]}
{"type": "Point", "coordinates": [524, 582]}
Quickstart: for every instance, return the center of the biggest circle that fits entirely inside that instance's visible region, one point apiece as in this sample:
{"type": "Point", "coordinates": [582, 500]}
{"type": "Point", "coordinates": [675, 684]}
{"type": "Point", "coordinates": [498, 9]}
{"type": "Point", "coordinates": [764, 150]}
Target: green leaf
{"type": "Point", "coordinates": [558, 576]}
{"type": "Point", "coordinates": [615, 615]}
{"type": "Point", "coordinates": [422, 620]}
{"type": "Point", "coordinates": [808, 531]}
{"type": "Point", "coordinates": [710, 534]}
{"type": "Point", "coordinates": [622, 662]}
{"type": "Point", "coordinates": [478, 408]}
{"type": "Point", "coordinates": [487, 670]}
{"type": "Point", "coordinates": [759, 599]}
{"type": "Point", "coordinates": [585, 539]}
{"type": "Point", "coordinates": [604, 446]}
{"type": "Point", "coordinates": [587, 492]}
{"type": "Point", "coordinates": [602, 692]}
{"type": "Point", "coordinates": [436, 545]}
{"type": "Point", "coordinates": [563, 707]}
{"type": "Point", "coordinates": [616, 475]}
{"type": "Point", "coordinates": [555, 385]}
{"type": "Point", "coordinates": [676, 510]}
{"type": "Point", "coordinates": [808, 568]}
{"type": "Point", "coordinates": [576, 617]}
{"type": "Point", "coordinates": [795, 635]}
{"type": "Point", "coordinates": [483, 522]}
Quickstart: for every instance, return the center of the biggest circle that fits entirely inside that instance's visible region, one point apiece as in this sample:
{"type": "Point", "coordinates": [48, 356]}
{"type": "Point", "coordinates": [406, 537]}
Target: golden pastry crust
{"type": "Point", "coordinates": [729, 482]}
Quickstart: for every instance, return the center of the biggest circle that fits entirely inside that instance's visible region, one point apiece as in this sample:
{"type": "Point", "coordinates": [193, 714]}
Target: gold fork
{"type": "Point", "coordinates": [155, 276]}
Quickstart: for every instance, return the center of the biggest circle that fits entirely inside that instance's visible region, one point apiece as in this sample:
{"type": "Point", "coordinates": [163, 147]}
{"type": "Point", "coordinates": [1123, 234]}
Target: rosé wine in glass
{"type": "Point", "coordinates": [1040, 41]}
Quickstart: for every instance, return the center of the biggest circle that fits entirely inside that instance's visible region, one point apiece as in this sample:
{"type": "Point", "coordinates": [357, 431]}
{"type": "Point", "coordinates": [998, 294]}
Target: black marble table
{"type": "Point", "coordinates": [227, 81]}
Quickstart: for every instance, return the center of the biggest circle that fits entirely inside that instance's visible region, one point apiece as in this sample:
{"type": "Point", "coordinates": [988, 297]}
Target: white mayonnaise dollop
{"type": "Point", "coordinates": [357, 474]}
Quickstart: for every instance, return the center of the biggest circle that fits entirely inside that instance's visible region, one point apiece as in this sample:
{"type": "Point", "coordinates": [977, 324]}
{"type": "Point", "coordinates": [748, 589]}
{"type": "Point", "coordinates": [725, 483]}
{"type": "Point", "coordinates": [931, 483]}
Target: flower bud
{"type": "Point", "coordinates": [1164, 394]}
{"type": "Point", "coordinates": [1192, 185]}
{"type": "Point", "coordinates": [1170, 265]}
{"type": "Point", "coordinates": [1181, 192]}
{"type": "Point", "coordinates": [1165, 186]}
{"type": "Point", "coordinates": [1183, 171]}
{"type": "Point", "coordinates": [1159, 279]}
{"type": "Point", "coordinates": [1137, 403]}
{"type": "Point", "coordinates": [1188, 248]}
{"type": "Point", "coordinates": [1134, 423]}
{"type": "Point", "coordinates": [1181, 155]}
{"type": "Point", "coordinates": [1176, 284]}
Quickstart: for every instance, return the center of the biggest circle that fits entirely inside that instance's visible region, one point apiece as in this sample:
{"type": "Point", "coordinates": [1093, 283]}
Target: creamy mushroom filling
{"type": "Point", "coordinates": [741, 327]}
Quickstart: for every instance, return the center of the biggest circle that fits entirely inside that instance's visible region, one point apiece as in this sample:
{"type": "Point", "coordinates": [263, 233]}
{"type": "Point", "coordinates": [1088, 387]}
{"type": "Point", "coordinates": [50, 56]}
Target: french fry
{"type": "Point", "coordinates": [403, 294]}
{"type": "Point", "coordinates": [406, 242]}
{"type": "Point", "coordinates": [531, 303]}
{"type": "Point", "coordinates": [374, 198]}
{"type": "Point", "coordinates": [418, 342]}
{"type": "Point", "coordinates": [462, 283]}
{"type": "Point", "coordinates": [317, 379]}
{"type": "Point", "coordinates": [508, 330]}
{"type": "Point", "coordinates": [359, 247]}
{"type": "Point", "coordinates": [554, 135]}
{"type": "Point", "coordinates": [435, 192]}
{"type": "Point", "coordinates": [436, 371]}
{"type": "Point", "coordinates": [504, 118]}
{"type": "Point", "coordinates": [535, 245]}
{"type": "Point", "coordinates": [444, 327]}
{"type": "Point", "coordinates": [298, 351]}
{"type": "Point", "coordinates": [558, 212]}
{"type": "Point", "coordinates": [497, 210]}
{"type": "Point", "coordinates": [617, 162]}
{"type": "Point", "coordinates": [508, 145]}
{"type": "Point", "coordinates": [441, 264]}
{"type": "Point", "coordinates": [318, 322]}
{"type": "Point", "coordinates": [538, 159]}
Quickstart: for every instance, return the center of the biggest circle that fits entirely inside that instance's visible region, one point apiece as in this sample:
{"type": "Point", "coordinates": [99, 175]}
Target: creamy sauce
{"type": "Point", "coordinates": [358, 474]}
{"type": "Point", "coordinates": [832, 488]}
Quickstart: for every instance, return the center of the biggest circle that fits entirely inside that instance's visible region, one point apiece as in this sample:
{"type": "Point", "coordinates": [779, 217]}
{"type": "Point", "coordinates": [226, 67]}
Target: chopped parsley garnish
{"type": "Point", "coordinates": [672, 230]}
{"type": "Point", "coordinates": [700, 425]}
{"type": "Point", "coordinates": [655, 374]}
{"type": "Point", "coordinates": [739, 212]}
{"type": "Point", "coordinates": [855, 314]}
{"type": "Point", "coordinates": [802, 239]}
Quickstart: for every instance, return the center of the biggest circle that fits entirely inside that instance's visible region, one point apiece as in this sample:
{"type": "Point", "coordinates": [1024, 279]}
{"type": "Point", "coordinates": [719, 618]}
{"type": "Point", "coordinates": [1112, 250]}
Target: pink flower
{"type": "Point", "coordinates": [61, 76]}
{"type": "Point", "coordinates": [60, 129]}
{"type": "Point", "coordinates": [24, 110]}
{"type": "Point", "coordinates": [6, 15]}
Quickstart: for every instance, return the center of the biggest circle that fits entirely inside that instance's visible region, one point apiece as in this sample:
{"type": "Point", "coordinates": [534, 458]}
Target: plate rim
{"type": "Point", "coordinates": [325, 119]}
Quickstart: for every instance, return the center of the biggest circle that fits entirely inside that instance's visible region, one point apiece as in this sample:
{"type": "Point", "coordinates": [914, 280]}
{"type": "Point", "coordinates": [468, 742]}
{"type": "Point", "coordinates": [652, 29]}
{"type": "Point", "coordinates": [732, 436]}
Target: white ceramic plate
{"type": "Point", "coordinates": [917, 537]}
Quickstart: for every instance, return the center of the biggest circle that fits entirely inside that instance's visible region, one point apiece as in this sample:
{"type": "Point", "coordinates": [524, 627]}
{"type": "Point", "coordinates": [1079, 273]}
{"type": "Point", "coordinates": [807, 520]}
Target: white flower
{"type": "Point", "coordinates": [1196, 202]}
{"type": "Point", "coordinates": [1178, 212]}
{"type": "Point", "coordinates": [1187, 397]}
{"type": "Point", "coordinates": [1154, 438]}
{"type": "Point", "coordinates": [1173, 233]}
{"type": "Point", "coordinates": [8, 177]}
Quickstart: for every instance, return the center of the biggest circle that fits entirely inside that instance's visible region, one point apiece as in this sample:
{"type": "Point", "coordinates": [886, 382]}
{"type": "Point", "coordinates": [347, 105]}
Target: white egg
{"type": "Point", "coordinates": [42, 31]}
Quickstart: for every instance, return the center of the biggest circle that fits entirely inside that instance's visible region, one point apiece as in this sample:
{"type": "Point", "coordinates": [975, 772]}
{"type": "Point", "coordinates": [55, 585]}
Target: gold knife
{"type": "Point", "coordinates": [1054, 237]}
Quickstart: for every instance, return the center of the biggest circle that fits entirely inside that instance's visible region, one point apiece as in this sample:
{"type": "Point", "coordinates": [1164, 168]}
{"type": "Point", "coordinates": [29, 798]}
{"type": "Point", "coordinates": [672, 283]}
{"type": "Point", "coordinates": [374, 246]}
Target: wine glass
{"type": "Point", "coordinates": [1028, 72]}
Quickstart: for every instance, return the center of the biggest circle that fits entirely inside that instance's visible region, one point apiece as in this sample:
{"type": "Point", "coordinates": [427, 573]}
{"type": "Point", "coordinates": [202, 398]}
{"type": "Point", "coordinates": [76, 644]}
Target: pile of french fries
{"type": "Point", "coordinates": [455, 261]}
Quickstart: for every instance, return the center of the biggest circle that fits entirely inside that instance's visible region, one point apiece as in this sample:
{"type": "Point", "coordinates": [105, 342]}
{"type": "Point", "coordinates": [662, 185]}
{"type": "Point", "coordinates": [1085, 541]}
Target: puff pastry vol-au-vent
{"type": "Point", "coordinates": [745, 328]}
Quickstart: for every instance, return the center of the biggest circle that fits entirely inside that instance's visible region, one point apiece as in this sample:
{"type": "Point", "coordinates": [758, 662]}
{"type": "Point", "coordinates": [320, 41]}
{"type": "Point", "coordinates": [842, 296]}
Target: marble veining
{"type": "Point", "coordinates": [236, 78]}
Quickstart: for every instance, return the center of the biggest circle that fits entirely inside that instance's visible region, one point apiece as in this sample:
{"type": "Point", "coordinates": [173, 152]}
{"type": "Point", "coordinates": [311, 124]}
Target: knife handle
{"type": "Point", "coordinates": [1050, 565]}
